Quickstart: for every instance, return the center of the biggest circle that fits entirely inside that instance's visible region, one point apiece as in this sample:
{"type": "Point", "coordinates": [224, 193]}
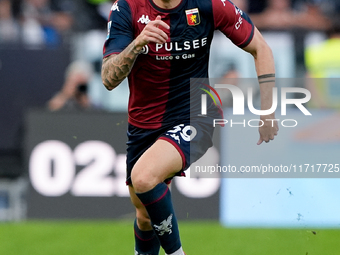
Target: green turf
{"type": "Point", "coordinates": [198, 238]}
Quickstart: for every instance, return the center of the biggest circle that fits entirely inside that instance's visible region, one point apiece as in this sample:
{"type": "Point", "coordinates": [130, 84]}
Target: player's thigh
{"type": "Point", "coordinates": [161, 161]}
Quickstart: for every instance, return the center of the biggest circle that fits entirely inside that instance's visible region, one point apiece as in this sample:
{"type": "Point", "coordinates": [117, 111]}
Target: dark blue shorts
{"type": "Point", "coordinates": [191, 138]}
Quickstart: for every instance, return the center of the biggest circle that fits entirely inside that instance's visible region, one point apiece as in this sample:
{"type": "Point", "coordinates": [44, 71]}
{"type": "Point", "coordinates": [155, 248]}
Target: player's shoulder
{"type": "Point", "coordinates": [221, 3]}
{"type": "Point", "coordinates": [224, 6]}
{"type": "Point", "coordinates": [126, 8]}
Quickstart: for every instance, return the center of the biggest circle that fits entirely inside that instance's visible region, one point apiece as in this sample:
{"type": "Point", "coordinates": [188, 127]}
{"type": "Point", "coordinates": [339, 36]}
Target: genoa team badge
{"type": "Point", "coordinates": [193, 17]}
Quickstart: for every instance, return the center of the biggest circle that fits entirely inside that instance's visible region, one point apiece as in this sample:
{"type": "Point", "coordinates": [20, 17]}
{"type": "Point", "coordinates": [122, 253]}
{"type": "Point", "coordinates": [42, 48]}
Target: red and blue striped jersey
{"type": "Point", "coordinates": [159, 81]}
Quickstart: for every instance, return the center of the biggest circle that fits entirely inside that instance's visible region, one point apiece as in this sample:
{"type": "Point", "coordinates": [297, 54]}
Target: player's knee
{"type": "Point", "coordinates": [143, 182]}
{"type": "Point", "coordinates": [141, 185]}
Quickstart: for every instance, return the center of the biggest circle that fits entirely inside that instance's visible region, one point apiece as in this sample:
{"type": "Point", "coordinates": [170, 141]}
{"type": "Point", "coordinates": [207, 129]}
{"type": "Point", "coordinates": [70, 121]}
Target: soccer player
{"type": "Point", "coordinates": [159, 45]}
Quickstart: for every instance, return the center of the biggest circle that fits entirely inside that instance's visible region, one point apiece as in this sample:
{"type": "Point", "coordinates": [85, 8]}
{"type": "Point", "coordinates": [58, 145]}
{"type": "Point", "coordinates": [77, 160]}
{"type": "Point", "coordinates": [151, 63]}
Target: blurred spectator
{"type": "Point", "coordinates": [45, 22]}
{"type": "Point", "coordinates": [311, 16]}
{"type": "Point", "coordinates": [256, 6]}
{"type": "Point", "coordinates": [92, 15]}
{"type": "Point", "coordinates": [39, 23]}
{"type": "Point", "coordinates": [323, 62]}
{"type": "Point", "coordinates": [63, 12]}
{"type": "Point", "coordinates": [327, 7]}
{"type": "Point", "coordinates": [230, 76]}
{"type": "Point", "coordinates": [73, 94]}
{"type": "Point", "coordinates": [280, 15]}
{"type": "Point", "coordinates": [9, 27]}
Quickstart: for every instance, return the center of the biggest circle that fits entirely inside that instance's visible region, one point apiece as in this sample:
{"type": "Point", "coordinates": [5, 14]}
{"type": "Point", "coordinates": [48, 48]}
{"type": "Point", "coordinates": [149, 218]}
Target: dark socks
{"type": "Point", "coordinates": [146, 242]}
{"type": "Point", "coordinates": [159, 207]}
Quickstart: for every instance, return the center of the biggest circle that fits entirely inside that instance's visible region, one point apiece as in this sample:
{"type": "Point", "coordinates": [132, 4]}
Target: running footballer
{"type": "Point", "coordinates": [159, 45]}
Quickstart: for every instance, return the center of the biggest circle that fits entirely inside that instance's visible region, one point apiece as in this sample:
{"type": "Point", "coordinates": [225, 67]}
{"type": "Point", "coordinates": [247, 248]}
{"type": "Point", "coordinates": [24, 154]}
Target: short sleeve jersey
{"type": "Point", "coordinates": [160, 78]}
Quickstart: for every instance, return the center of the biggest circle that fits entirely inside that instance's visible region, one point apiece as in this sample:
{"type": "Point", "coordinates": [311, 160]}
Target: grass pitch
{"type": "Point", "coordinates": [198, 238]}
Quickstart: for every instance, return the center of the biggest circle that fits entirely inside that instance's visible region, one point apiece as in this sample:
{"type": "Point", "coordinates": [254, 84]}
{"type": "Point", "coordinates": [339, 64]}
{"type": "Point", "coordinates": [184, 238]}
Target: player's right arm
{"type": "Point", "coordinates": [116, 67]}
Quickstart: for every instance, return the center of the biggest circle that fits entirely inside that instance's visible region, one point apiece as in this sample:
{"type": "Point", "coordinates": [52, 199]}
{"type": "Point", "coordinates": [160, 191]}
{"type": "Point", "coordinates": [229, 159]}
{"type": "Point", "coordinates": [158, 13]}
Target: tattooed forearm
{"type": "Point", "coordinates": [116, 67]}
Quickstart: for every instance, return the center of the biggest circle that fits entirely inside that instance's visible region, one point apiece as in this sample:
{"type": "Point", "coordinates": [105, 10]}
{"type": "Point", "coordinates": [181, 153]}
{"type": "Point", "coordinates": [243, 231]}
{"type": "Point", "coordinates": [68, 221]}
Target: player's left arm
{"type": "Point", "coordinates": [265, 68]}
{"type": "Point", "coordinates": [238, 27]}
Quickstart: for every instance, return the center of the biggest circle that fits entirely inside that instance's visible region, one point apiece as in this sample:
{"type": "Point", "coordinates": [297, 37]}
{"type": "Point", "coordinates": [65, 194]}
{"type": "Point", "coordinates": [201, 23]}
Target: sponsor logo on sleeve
{"type": "Point", "coordinates": [108, 30]}
{"type": "Point", "coordinates": [115, 6]}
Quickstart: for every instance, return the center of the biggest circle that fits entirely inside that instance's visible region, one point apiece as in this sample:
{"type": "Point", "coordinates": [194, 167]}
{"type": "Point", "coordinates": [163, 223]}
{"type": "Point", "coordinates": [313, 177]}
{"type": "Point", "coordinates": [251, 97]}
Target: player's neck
{"type": "Point", "coordinates": [167, 4]}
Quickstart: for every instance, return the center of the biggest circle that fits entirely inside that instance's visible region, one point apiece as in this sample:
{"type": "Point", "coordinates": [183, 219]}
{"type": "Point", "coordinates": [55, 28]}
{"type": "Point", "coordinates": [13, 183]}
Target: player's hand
{"type": "Point", "coordinates": [152, 32]}
{"type": "Point", "coordinates": [269, 129]}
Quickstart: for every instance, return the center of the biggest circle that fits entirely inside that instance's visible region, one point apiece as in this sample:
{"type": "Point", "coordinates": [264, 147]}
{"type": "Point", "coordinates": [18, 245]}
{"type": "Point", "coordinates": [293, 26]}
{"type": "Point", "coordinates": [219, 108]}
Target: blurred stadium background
{"type": "Point", "coordinates": [62, 188]}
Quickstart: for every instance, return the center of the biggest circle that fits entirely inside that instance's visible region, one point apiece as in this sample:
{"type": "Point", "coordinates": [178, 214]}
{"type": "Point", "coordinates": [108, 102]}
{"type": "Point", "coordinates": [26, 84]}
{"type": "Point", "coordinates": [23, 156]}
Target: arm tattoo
{"type": "Point", "coordinates": [117, 67]}
{"type": "Point", "coordinates": [260, 82]}
{"type": "Point", "coordinates": [266, 78]}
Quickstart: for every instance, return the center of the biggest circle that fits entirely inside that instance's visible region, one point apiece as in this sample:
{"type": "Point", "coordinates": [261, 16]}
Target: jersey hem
{"type": "Point", "coordinates": [144, 125]}
{"type": "Point", "coordinates": [250, 38]}
{"type": "Point", "coordinates": [111, 53]}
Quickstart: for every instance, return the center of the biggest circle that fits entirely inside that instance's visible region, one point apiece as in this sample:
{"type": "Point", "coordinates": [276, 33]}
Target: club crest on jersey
{"type": "Point", "coordinates": [193, 17]}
